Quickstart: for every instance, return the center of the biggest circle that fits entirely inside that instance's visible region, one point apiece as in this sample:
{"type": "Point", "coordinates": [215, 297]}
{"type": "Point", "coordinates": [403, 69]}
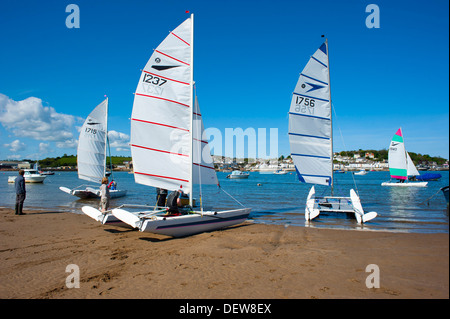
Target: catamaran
{"type": "Point", "coordinates": [400, 164]}
{"type": "Point", "coordinates": [91, 154]}
{"type": "Point", "coordinates": [167, 144]}
{"type": "Point", "coordinates": [310, 138]}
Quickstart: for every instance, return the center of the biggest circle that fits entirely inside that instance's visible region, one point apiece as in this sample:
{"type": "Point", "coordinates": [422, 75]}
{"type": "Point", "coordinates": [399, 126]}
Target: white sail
{"type": "Point", "coordinates": [203, 166]}
{"type": "Point", "coordinates": [397, 157]}
{"type": "Point", "coordinates": [161, 117]}
{"type": "Point", "coordinates": [310, 129]}
{"type": "Point", "coordinates": [411, 168]}
{"type": "Point", "coordinates": [91, 152]}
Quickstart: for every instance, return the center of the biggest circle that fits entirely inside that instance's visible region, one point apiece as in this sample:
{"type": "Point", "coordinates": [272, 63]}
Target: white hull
{"type": "Point", "coordinates": [106, 219]}
{"type": "Point", "coordinates": [332, 204]}
{"type": "Point", "coordinates": [28, 179]}
{"type": "Point", "coordinates": [30, 176]}
{"type": "Point", "coordinates": [405, 184]}
{"type": "Point", "coordinates": [90, 192]}
{"type": "Point", "coordinates": [185, 225]}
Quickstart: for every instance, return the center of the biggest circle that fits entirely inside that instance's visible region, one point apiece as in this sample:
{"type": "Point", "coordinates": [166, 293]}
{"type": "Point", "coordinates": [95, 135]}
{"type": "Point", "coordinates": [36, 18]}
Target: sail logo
{"type": "Point", "coordinates": [313, 86]}
{"type": "Point", "coordinates": [91, 123]}
{"type": "Point", "coordinates": [162, 67]}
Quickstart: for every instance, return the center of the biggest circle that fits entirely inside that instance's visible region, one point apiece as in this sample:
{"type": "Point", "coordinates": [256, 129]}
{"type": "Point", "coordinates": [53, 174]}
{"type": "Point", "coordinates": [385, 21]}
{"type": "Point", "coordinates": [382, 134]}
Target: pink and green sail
{"type": "Point", "coordinates": [397, 157]}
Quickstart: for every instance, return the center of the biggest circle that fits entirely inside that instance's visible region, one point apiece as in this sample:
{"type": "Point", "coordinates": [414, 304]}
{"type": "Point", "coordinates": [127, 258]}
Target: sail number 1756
{"type": "Point", "coordinates": [304, 104]}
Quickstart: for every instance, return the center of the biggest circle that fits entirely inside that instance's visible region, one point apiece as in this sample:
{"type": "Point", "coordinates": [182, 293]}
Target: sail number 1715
{"type": "Point", "coordinates": [304, 105]}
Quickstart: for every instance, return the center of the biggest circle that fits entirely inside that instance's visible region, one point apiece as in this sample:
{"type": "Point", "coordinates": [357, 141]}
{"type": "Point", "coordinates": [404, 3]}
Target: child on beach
{"type": "Point", "coordinates": [104, 194]}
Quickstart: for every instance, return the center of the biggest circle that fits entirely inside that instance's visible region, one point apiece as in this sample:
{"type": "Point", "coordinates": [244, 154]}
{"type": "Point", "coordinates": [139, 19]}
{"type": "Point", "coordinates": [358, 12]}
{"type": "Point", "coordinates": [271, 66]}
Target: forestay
{"type": "Point", "coordinates": [91, 152]}
{"type": "Point", "coordinates": [310, 129]}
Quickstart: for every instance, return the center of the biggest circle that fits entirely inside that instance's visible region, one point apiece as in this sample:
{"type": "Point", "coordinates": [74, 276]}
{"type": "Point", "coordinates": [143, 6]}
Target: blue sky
{"type": "Point", "coordinates": [248, 55]}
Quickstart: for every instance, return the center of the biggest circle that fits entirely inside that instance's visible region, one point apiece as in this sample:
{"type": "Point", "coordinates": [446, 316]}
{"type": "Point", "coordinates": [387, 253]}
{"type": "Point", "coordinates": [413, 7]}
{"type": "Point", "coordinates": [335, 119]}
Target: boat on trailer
{"type": "Point", "coordinates": [165, 106]}
{"type": "Point", "coordinates": [310, 138]}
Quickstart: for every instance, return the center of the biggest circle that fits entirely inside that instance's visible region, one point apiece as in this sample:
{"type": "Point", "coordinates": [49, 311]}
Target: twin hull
{"type": "Point", "coordinates": [186, 225]}
{"type": "Point", "coordinates": [95, 193]}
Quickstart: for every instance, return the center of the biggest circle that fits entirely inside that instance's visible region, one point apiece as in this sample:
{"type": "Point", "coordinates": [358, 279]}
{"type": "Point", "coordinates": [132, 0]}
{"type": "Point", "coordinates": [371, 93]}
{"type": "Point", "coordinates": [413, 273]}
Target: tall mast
{"type": "Point", "coordinates": [106, 140]}
{"type": "Point", "coordinates": [331, 116]}
{"type": "Point", "coordinates": [192, 114]}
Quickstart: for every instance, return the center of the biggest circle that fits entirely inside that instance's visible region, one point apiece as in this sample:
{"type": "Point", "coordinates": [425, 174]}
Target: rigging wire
{"type": "Point", "coordinates": [345, 147]}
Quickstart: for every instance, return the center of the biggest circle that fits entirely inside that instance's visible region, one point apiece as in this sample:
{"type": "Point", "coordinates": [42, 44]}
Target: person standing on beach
{"type": "Point", "coordinates": [19, 184]}
{"type": "Point", "coordinates": [104, 195]}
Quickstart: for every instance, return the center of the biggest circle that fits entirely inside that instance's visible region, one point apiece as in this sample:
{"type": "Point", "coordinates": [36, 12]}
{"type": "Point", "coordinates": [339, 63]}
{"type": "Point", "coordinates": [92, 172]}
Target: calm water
{"type": "Point", "coordinates": [279, 200]}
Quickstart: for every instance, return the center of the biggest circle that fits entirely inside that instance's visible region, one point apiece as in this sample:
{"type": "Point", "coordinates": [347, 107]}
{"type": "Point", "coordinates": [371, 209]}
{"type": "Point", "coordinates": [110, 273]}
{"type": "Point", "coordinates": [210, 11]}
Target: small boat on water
{"type": "Point", "coordinates": [238, 175]}
{"type": "Point", "coordinates": [47, 173]}
{"type": "Point", "coordinates": [280, 172]}
{"type": "Point", "coordinates": [31, 176]}
{"type": "Point", "coordinates": [426, 177]}
{"type": "Point", "coordinates": [400, 164]}
{"type": "Point", "coordinates": [361, 172]}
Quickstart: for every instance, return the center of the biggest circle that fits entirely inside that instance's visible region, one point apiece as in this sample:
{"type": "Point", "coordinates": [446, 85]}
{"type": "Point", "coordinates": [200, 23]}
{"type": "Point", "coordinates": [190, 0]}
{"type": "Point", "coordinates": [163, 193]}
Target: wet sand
{"type": "Point", "coordinates": [245, 261]}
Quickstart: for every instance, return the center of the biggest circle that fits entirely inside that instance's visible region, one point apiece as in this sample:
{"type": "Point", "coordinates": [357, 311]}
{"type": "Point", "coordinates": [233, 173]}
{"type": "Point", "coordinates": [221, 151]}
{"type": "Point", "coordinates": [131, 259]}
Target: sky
{"type": "Point", "coordinates": [248, 55]}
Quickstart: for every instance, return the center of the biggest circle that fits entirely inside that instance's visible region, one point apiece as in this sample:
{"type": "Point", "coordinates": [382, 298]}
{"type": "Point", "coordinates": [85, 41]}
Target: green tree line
{"type": "Point", "coordinates": [383, 155]}
{"type": "Point", "coordinates": [71, 160]}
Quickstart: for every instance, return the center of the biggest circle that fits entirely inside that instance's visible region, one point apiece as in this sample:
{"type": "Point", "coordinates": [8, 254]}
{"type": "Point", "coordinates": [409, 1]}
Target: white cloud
{"type": "Point", "coordinates": [14, 157]}
{"type": "Point", "coordinates": [29, 118]}
{"type": "Point", "coordinates": [15, 146]}
{"type": "Point", "coordinates": [119, 140]}
{"type": "Point", "coordinates": [44, 148]}
{"type": "Point", "coordinates": [72, 143]}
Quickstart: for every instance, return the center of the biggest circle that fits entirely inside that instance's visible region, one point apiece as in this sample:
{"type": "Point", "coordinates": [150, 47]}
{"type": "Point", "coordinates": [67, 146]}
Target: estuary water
{"type": "Point", "coordinates": [279, 199]}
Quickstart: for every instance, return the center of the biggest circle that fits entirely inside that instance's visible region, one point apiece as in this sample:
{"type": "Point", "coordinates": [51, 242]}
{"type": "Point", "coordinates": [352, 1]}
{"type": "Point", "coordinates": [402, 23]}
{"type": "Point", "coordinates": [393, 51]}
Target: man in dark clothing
{"type": "Point", "coordinates": [173, 201]}
{"type": "Point", "coordinates": [161, 195]}
{"type": "Point", "coordinates": [20, 192]}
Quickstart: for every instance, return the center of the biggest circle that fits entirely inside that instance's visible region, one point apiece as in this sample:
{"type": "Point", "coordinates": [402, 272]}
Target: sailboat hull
{"type": "Point", "coordinates": [191, 224]}
{"type": "Point", "coordinates": [90, 192]}
{"type": "Point", "coordinates": [106, 219]}
{"type": "Point", "coordinates": [406, 184]}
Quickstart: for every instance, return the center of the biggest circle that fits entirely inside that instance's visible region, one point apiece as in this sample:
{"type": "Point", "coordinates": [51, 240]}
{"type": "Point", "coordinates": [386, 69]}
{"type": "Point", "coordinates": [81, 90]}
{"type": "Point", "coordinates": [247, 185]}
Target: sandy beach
{"type": "Point", "coordinates": [245, 261]}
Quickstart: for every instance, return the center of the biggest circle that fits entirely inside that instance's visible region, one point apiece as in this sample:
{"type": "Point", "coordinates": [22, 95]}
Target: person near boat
{"type": "Point", "coordinates": [19, 184]}
{"type": "Point", "coordinates": [161, 195]}
{"type": "Point", "coordinates": [173, 202]}
{"type": "Point", "coordinates": [104, 195]}
{"type": "Point", "coordinates": [112, 185]}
